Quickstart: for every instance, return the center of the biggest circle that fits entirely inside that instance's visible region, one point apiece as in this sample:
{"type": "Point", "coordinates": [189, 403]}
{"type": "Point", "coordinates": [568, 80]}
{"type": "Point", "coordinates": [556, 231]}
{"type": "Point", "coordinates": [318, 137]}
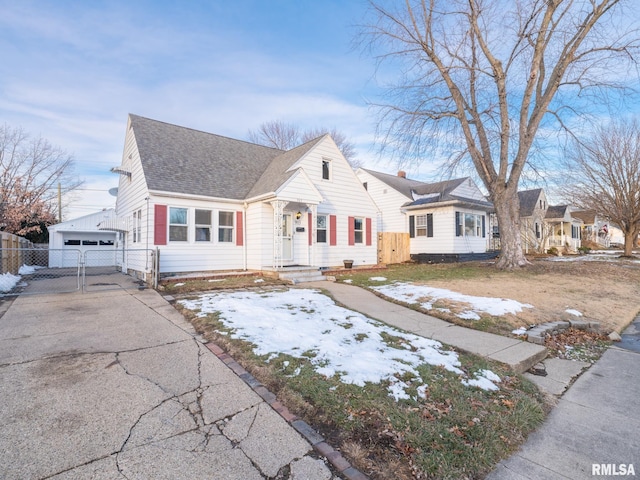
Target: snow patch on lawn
{"type": "Point", "coordinates": [417, 294]}
{"type": "Point", "coordinates": [378, 279]}
{"type": "Point", "coordinates": [573, 312]}
{"type": "Point", "coordinates": [304, 323]}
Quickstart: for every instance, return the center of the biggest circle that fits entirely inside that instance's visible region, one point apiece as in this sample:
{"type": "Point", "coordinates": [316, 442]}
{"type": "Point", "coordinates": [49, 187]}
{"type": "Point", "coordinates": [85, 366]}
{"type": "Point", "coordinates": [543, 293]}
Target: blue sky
{"type": "Point", "coordinates": [71, 71]}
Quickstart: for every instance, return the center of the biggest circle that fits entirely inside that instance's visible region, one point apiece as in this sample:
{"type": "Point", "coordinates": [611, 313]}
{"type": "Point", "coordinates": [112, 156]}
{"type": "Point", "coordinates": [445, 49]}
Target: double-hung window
{"type": "Point", "coordinates": [424, 225]}
{"type": "Point", "coordinates": [178, 224]}
{"type": "Point", "coordinates": [203, 225]}
{"type": "Point", "coordinates": [321, 229]}
{"type": "Point", "coordinates": [469, 225]}
{"type": "Point", "coordinates": [225, 226]}
{"type": "Point", "coordinates": [137, 226]}
{"type": "Point", "coordinates": [358, 230]}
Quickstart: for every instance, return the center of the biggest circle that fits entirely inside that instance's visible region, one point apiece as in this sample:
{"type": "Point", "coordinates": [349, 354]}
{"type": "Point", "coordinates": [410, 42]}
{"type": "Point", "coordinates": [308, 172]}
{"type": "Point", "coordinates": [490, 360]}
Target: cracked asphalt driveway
{"type": "Point", "coordinates": [117, 385]}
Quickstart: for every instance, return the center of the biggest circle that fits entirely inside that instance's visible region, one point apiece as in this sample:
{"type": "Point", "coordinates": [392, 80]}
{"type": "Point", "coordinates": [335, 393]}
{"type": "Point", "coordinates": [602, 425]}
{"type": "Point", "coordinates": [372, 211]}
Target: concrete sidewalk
{"type": "Point", "coordinates": [519, 355]}
{"type": "Point", "coordinates": [593, 429]}
{"type": "Point", "coordinates": [116, 384]}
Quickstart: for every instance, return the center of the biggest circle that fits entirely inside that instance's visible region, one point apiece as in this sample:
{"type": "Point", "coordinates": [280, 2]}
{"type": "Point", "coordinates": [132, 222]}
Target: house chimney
{"type": "Point", "coordinates": [402, 174]}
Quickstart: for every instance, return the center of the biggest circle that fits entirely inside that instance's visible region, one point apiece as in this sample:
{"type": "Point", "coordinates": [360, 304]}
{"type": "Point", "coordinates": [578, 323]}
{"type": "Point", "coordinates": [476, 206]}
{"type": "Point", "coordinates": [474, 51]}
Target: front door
{"type": "Point", "coordinates": [287, 237]}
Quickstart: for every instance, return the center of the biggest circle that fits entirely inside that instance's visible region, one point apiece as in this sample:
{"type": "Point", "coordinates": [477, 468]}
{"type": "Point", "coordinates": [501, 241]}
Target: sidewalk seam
{"type": "Point", "coordinates": [317, 441]}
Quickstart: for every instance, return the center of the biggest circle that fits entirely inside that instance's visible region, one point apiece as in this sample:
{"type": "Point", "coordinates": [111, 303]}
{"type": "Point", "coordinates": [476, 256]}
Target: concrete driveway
{"type": "Point", "coordinates": [116, 384]}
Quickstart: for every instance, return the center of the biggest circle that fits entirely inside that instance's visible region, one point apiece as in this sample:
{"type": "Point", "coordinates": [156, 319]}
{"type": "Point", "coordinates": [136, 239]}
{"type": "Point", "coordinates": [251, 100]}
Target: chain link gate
{"type": "Point", "coordinates": [29, 271]}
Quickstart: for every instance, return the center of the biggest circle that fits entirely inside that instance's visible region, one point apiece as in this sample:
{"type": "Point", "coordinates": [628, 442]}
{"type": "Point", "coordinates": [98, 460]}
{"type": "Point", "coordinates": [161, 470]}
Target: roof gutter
{"type": "Point", "coordinates": [448, 203]}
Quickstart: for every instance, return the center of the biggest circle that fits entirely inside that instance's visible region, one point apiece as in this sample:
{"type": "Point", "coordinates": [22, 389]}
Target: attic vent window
{"type": "Point", "coordinates": [326, 169]}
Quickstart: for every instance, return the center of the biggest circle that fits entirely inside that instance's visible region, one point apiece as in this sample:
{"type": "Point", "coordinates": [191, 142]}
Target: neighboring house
{"type": "Point", "coordinates": [564, 228]}
{"type": "Point", "coordinates": [70, 240]}
{"type": "Point", "coordinates": [533, 209]}
{"type": "Point", "coordinates": [445, 221]}
{"type": "Point", "coordinates": [594, 229]}
{"type": "Point", "coordinates": [544, 226]}
{"type": "Point", "coordinates": [209, 202]}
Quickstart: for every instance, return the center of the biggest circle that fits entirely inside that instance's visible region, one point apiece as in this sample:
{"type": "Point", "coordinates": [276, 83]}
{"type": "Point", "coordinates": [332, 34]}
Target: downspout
{"type": "Point", "coordinates": [146, 235]}
{"type": "Point", "coordinates": [244, 236]}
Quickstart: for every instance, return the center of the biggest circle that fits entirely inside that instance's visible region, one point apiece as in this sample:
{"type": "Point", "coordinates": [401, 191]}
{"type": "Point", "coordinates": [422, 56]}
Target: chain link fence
{"type": "Point", "coordinates": [39, 271]}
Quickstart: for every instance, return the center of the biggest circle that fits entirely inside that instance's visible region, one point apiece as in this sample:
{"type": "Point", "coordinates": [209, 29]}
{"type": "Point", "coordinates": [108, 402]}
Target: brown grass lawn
{"type": "Point", "coordinates": [606, 292]}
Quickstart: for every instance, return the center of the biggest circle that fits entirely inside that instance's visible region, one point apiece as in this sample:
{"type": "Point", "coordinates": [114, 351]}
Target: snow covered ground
{"type": "Point", "coordinates": [426, 296]}
{"type": "Point", "coordinates": [8, 281]}
{"type": "Point", "coordinates": [337, 341]}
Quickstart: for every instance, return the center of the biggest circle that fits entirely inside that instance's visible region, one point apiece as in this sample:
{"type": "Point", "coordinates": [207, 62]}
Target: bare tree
{"type": "Point", "coordinates": [285, 136]}
{"type": "Point", "coordinates": [30, 171]}
{"type": "Point", "coordinates": [603, 174]}
{"type": "Point", "coordinates": [480, 76]}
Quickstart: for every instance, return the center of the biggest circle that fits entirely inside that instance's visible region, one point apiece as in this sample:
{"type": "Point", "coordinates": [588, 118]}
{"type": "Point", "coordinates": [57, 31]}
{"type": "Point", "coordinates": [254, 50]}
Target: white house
{"type": "Point", "coordinates": [544, 226]}
{"type": "Point", "coordinates": [70, 240]}
{"type": "Point", "coordinates": [213, 203]}
{"type": "Point", "coordinates": [445, 221]}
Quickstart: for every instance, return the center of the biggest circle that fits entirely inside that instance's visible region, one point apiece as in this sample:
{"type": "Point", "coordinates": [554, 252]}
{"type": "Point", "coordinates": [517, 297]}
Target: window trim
{"type": "Point", "coordinates": [208, 226]}
{"type": "Point", "coordinates": [357, 231]}
{"type": "Point", "coordinates": [478, 228]}
{"type": "Point", "coordinates": [328, 163]}
{"type": "Point", "coordinates": [179, 225]}
{"type": "Point", "coordinates": [325, 229]}
{"type": "Point", "coordinates": [223, 228]}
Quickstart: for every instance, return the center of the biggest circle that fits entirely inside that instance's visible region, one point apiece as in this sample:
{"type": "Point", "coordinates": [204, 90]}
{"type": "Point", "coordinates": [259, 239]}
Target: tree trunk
{"type": "Point", "coordinates": [630, 241]}
{"type": "Point", "coordinates": [508, 213]}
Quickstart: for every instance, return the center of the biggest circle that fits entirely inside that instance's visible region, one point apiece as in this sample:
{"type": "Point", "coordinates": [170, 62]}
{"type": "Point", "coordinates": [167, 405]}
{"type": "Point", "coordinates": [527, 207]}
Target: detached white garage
{"type": "Point", "coordinates": [71, 239]}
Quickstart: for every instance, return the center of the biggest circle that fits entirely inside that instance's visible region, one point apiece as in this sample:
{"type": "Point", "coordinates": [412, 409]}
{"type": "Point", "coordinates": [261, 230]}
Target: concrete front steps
{"type": "Point", "coordinates": [297, 274]}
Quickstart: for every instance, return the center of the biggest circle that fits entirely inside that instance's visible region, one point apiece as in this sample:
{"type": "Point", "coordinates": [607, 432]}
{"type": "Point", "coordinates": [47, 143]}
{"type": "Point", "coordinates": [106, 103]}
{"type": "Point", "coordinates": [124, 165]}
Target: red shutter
{"type": "Point", "coordinates": [239, 230]}
{"type": "Point", "coordinates": [333, 237]}
{"type": "Point", "coordinates": [368, 232]}
{"type": "Point", "coordinates": [352, 233]}
{"type": "Point", "coordinates": [309, 225]}
{"type": "Point", "coordinates": [160, 225]}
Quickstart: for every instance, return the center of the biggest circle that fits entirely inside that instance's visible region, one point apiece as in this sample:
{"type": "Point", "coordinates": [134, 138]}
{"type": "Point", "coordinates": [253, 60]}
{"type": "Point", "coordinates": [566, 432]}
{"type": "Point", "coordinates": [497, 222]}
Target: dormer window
{"type": "Point", "coordinates": [326, 169]}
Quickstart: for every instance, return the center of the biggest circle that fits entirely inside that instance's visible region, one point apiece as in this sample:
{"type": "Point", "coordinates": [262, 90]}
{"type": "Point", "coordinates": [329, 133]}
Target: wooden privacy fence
{"type": "Point", "coordinates": [393, 247]}
{"type": "Point", "coordinates": [15, 251]}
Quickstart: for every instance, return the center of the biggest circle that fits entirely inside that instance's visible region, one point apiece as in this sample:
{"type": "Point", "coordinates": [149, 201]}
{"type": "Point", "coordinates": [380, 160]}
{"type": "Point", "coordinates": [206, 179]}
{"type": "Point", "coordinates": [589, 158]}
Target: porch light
{"type": "Point", "coordinates": [298, 215]}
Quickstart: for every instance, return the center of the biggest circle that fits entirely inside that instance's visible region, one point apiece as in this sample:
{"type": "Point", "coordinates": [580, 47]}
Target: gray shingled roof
{"type": "Point", "coordinates": [587, 216]}
{"type": "Point", "coordinates": [528, 200]}
{"type": "Point", "coordinates": [182, 160]}
{"type": "Point", "coordinates": [401, 184]}
{"type": "Point", "coordinates": [407, 187]}
{"type": "Point", "coordinates": [276, 173]}
{"type": "Point", "coordinates": [556, 211]}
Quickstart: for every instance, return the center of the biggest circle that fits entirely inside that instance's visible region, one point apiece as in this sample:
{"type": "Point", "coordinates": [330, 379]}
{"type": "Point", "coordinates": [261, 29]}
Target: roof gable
{"type": "Point", "coordinates": [529, 201]}
{"type": "Point", "coordinates": [280, 169]}
{"type": "Point", "coordinates": [401, 184]}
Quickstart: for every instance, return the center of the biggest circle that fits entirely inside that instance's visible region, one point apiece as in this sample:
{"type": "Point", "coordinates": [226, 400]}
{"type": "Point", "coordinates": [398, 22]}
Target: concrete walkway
{"type": "Point", "coordinates": [117, 385]}
{"type": "Point", "coordinates": [593, 431]}
{"type": "Point", "coordinates": [519, 355]}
